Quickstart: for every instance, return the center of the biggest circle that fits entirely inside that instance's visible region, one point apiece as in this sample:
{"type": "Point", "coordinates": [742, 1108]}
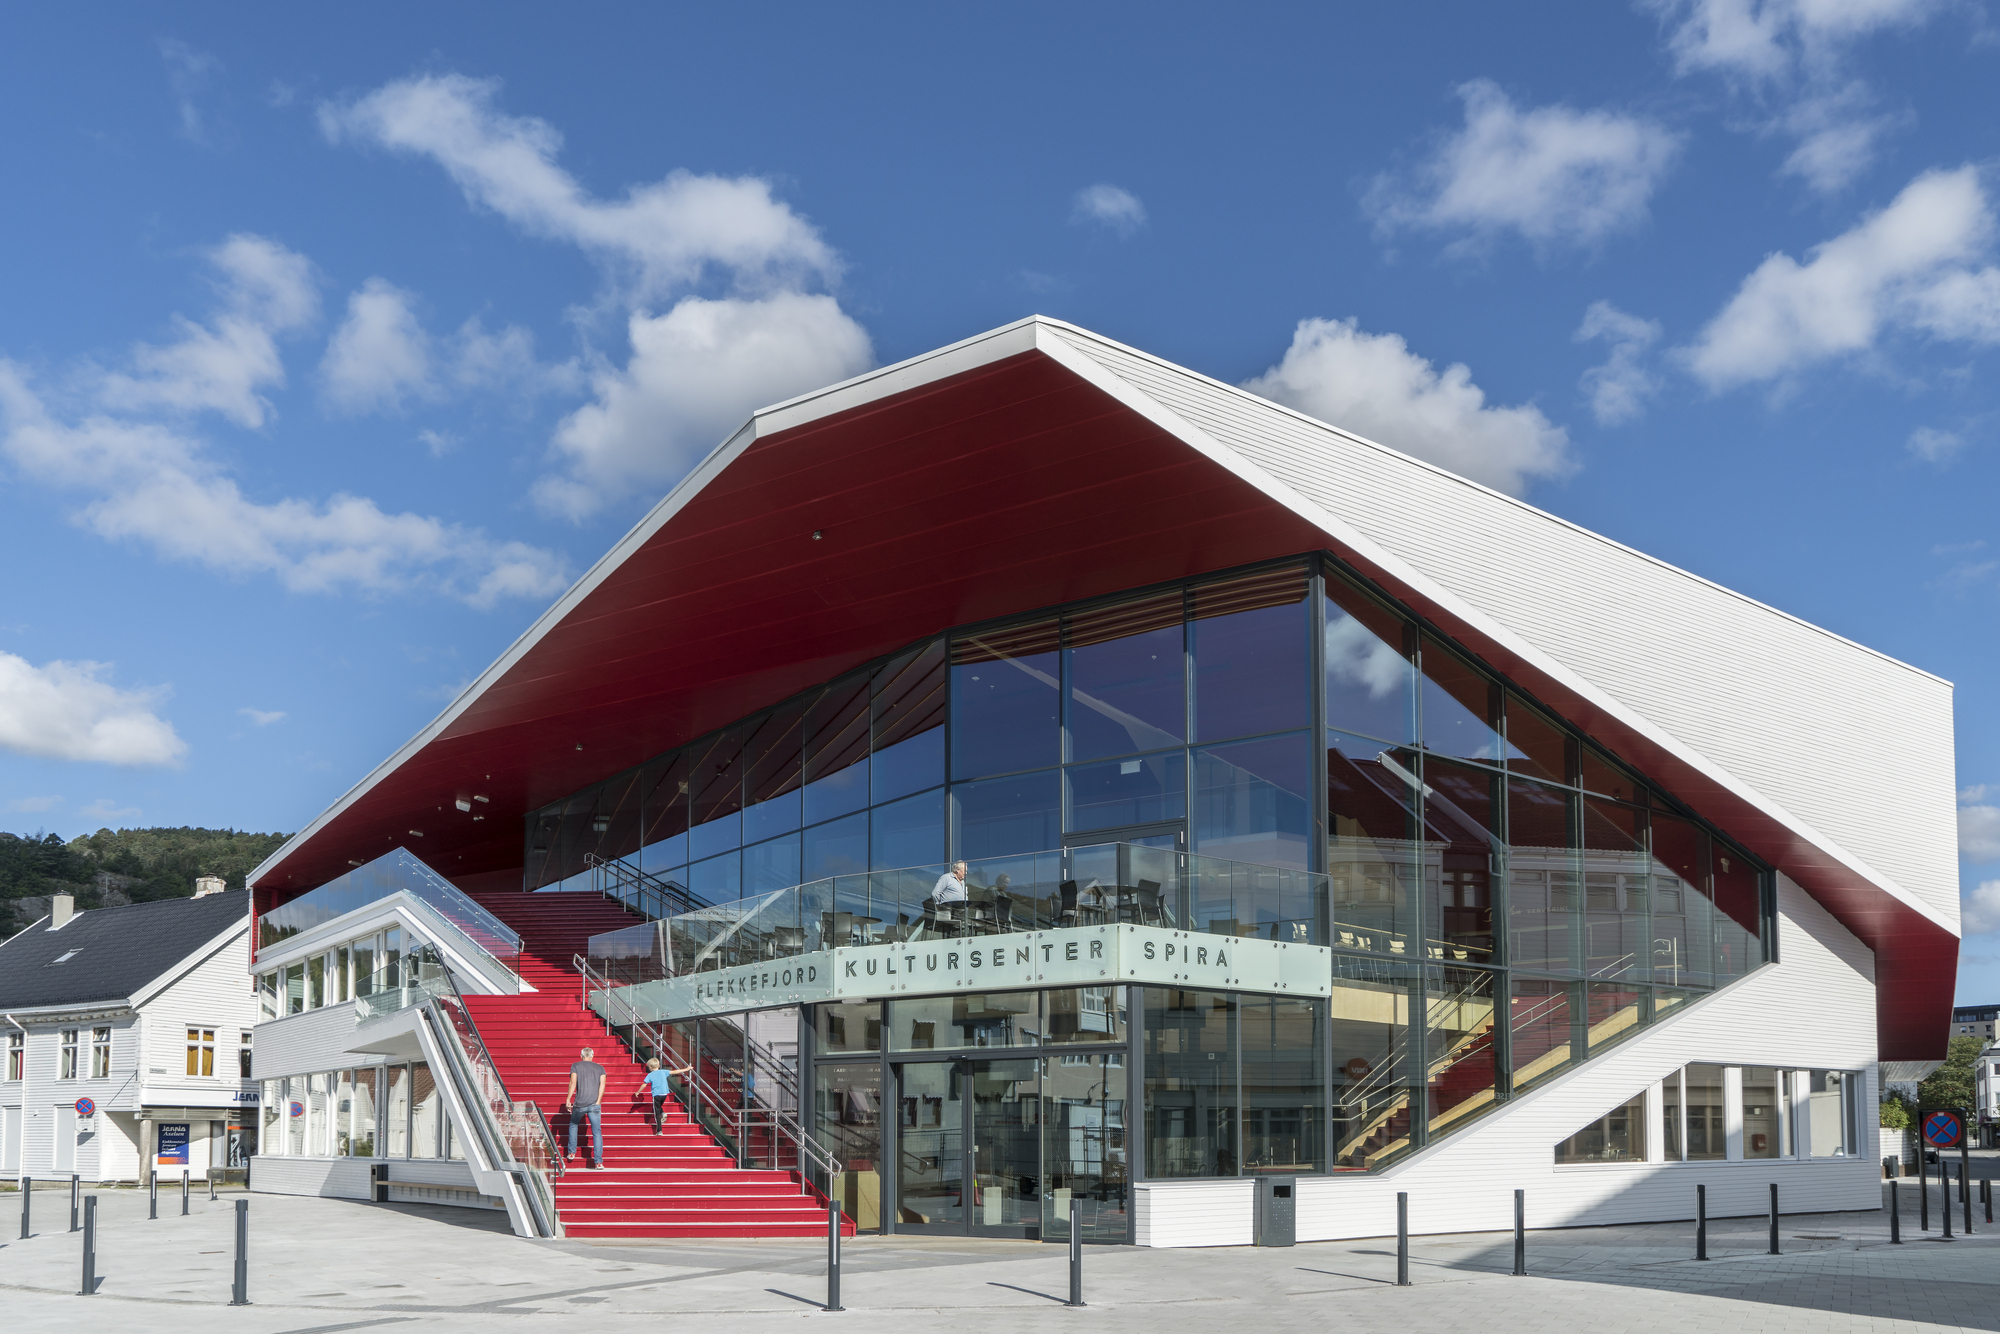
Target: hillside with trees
{"type": "Point", "coordinates": [115, 866]}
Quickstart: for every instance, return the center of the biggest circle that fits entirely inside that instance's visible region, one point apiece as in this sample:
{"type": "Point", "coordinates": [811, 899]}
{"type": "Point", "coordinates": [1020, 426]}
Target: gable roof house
{"type": "Point", "coordinates": [126, 1034]}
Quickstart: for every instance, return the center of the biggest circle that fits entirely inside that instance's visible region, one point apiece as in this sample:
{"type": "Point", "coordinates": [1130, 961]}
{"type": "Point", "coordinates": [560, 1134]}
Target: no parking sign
{"type": "Point", "coordinates": [1944, 1129]}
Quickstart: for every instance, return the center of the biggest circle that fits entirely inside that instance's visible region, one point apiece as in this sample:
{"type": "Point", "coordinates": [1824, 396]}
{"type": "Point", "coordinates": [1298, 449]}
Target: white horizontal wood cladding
{"type": "Point", "coordinates": [1852, 743]}
{"type": "Point", "coordinates": [304, 1044]}
{"type": "Point", "coordinates": [1813, 1010]}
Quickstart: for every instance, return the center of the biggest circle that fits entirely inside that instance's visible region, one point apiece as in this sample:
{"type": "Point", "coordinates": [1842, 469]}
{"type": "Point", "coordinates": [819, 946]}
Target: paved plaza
{"type": "Point", "coordinates": [321, 1266]}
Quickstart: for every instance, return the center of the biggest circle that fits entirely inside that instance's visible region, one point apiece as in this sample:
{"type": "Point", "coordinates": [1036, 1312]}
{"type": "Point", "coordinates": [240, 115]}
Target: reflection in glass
{"type": "Point", "coordinates": [396, 1111]}
{"type": "Point", "coordinates": [1613, 1014]}
{"type": "Point", "coordinates": [847, 1117]}
{"type": "Point", "coordinates": [1371, 859]}
{"type": "Point", "coordinates": [1544, 878]}
{"type": "Point", "coordinates": [1190, 1088]}
{"type": "Point", "coordinates": [771, 865]}
{"type": "Point", "coordinates": [1762, 1137]}
{"type": "Point", "coordinates": [838, 847]}
{"type": "Point", "coordinates": [1827, 1114]}
{"type": "Point", "coordinates": [1619, 1136]}
{"type": "Point", "coordinates": [1000, 816]}
{"type": "Point", "coordinates": [908, 832]}
{"type": "Point", "coordinates": [1006, 1146]}
{"type": "Point", "coordinates": [1602, 776]}
{"type": "Point", "coordinates": [1673, 1123]}
{"type": "Point", "coordinates": [1706, 1139]}
{"type": "Point", "coordinates": [1284, 1083]}
{"type": "Point", "coordinates": [930, 1144]}
{"type": "Point", "coordinates": [343, 1113]}
{"type": "Point", "coordinates": [1252, 801]}
{"type": "Point", "coordinates": [843, 1026]}
{"type": "Point", "coordinates": [1084, 1014]}
{"type": "Point", "coordinates": [1004, 701]}
{"type": "Point", "coordinates": [840, 793]}
{"type": "Point", "coordinates": [837, 729]}
{"type": "Point", "coordinates": [1372, 1073]}
{"type": "Point", "coordinates": [947, 1023]}
{"type": "Point", "coordinates": [1544, 1018]}
{"type": "Point", "coordinates": [1537, 747]}
{"type": "Point", "coordinates": [1458, 1044]}
{"type": "Point", "coordinates": [426, 1111]}
{"type": "Point", "coordinates": [1370, 680]}
{"type": "Point", "coordinates": [715, 779]}
{"type": "Point", "coordinates": [1083, 1145]}
{"type": "Point", "coordinates": [1461, 707]}
{"type": "Point", "coordinates": [719, 879]}
{"type": "Point", "coordinates": [715, 836]}
{"type": "Point", "coordinates": [1251, 669]}
{"type": "Point", "coordinates": [1617, 913]}
{"type": "Point", "coordinates": [1127, 678]}
{"type": "Point", "coordinates": [1462, 854]}
{"type": "Point", "coordinates": [767, 819]}
{"type": "Point", "coordinates": [1114, 793]}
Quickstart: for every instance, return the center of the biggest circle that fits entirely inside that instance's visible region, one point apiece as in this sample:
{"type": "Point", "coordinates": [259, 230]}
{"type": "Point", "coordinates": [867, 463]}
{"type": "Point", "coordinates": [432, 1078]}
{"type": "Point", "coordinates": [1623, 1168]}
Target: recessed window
{"type": "Point", "coordinates": [65, 958]}
{"type": "Point", "coordinates": [100, 1053]}
{"type": "Point", "coordinates": [67, 1067]}
{"type": "Point", "coordinates": [1619, 1136]}
{"type": "Point", "coordinates": [201, 1051]}
{"type": "Point", "coordinates": [16, 1055]}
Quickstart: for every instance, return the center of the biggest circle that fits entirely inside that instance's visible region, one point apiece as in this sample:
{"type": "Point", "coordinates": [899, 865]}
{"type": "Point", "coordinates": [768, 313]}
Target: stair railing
{"type": "Point", "coordinates": [726, 1117]}
{"type": "Point", "coordinates": [651, 896]}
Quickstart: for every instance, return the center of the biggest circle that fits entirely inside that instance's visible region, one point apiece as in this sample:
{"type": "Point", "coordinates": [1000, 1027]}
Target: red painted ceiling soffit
{"type": "Point", "coordinates": [1008, 488]}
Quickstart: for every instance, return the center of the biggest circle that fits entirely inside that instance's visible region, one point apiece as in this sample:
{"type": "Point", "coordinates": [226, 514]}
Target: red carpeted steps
{"type": "Point", "coordinates": [677, 1184]}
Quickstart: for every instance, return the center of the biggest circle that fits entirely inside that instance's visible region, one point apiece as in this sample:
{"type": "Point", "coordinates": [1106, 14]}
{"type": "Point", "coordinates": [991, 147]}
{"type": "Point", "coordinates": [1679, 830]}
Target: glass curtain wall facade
{"type": "Point", "coordinates": [1505, 898]}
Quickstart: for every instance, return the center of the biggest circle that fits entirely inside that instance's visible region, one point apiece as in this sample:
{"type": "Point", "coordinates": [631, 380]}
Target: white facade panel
{"type": "Point", "coordinates": [303, 1044]}
{"type": "Point", "coordinates": [1194, 1213]}
{"type": "Point", "coordinates": [1774, 702]}
{"type": "Point", "coordinates": [216, 996]}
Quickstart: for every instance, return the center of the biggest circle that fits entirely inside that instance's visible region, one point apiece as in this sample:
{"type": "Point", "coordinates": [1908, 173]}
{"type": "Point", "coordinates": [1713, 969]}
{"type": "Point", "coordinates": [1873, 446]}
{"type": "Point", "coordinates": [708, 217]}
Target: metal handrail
{"type": "Point", "coordinates": [462, 1013]}
{"type": "Point", "coordinates": [674, 898]}
{"type": "Point", "coordinates": [738, 1118]}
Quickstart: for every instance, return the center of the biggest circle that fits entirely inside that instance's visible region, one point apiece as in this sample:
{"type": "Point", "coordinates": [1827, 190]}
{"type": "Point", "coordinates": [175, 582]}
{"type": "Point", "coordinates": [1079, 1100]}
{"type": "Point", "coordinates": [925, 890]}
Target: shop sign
{"type": "Point", "coordinates": [1065, 957]}
{"type": "Point", "coordinates": [173, 1147]}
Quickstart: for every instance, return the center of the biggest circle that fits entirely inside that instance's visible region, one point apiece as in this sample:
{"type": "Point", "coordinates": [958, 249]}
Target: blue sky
{"type": "Point", "coordinates": [331, 347]}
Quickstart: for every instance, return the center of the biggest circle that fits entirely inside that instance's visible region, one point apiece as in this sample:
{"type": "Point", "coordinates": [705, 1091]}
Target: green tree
{"type": "Point", "coordinates": [141, 864]}
{"type": "Point", "coordinates": [1895, 1113]}
{"type": "Point", "coordinates": [1951, 1084]}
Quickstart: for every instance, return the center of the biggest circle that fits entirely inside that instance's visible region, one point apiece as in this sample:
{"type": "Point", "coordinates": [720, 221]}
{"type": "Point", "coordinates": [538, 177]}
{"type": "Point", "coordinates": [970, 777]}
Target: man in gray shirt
{"type": "Point", "coordinates": [585, 1100]}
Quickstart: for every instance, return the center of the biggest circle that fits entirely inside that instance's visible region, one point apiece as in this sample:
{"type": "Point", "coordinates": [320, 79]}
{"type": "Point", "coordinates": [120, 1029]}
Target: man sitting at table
{"type": "Point", "coordinates": [950, 888]}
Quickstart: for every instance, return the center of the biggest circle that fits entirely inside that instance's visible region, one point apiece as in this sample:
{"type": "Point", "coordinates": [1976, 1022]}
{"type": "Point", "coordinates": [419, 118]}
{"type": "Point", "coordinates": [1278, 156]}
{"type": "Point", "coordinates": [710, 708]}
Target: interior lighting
{"type": "Point", "coordinates": [476, 797]}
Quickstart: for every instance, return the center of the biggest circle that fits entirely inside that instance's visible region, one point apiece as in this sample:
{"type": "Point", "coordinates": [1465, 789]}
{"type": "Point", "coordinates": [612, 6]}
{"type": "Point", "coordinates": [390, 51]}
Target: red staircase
{"type": "Point", "coordinates": [679, 1184]}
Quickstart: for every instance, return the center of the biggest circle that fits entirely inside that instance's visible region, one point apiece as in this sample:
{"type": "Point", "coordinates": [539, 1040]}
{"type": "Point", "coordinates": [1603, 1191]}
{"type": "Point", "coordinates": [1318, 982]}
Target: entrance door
{"type": "Point", "coordinates": [65, 1139]}
{"type": "Point", "coordinates": [968, 1148]}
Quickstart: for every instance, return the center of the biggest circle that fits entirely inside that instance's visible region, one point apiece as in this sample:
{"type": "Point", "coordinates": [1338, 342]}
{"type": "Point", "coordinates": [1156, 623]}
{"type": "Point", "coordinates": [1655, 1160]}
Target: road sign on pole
{"type": "Point", "coordinates": [1943, 1128]}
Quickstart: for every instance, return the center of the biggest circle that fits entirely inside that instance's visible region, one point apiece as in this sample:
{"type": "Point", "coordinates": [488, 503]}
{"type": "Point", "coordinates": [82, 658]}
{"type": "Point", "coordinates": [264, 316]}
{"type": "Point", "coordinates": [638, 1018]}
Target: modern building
{"type": "Point", "coordinates": [1333, 825]}
{"type": "Point", "coordinates": [1986, 1087]}
{"type": "Point", "coordinates": [1976, 1021]}
{"type": "Point", "coordinates": [128, 1036]}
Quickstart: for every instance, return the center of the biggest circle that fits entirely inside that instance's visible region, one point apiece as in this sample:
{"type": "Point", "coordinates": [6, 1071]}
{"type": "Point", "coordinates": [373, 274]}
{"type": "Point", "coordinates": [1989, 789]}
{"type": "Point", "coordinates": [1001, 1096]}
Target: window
{"type": "Point", "coordinates": [243, 1055]}
{"type": "Point", "coordinates": [68, 1068]}
{"type": "Point", "coordinates": [100, 1053]}
{"type": "Point", "coordinates": [201, 1051]}
{"type": "Point", "coordinates": [16, 1054]}
{"type": "Point", "coordinates": [1827, 1113]}
{"type": "Point", "coordinates": [340, 967]}
{"type": "Point", "coordinates": [267, 996]}
{"type": "Point", "coordinates": [1619, 1136]}
{"type": "Point", "coordinates": [1762, 1112]}
{"type": "Point", "coordinates": [1191, 1086]}
{"type": "Point", "coordinates": [1703, 1110]}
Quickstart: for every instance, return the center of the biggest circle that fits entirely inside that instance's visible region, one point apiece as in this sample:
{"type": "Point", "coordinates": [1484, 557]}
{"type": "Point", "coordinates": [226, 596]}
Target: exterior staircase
{"type": "Point", "coordinates": [678, 1184]}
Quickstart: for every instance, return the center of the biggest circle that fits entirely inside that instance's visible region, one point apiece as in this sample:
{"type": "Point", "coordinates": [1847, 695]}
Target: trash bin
{"type": "Point", "coordinates": [379, 1179]}
{"type": "Point", "coordinates": [1892, 1167]}
{"type": "Point", "coordinates": [1277, 1211]}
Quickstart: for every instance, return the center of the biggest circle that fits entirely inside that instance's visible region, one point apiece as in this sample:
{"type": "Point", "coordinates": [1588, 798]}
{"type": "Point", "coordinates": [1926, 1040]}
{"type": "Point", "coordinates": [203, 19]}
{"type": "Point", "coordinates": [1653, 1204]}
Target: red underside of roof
{"type": "Point", "coordinates": [1005, 489]}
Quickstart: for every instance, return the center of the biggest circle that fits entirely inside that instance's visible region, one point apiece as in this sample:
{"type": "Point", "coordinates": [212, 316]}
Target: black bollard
{"type": "Point", "coordinates": [1965, 1195]}
{"type": "Point", "coordinates": [75, 1186]}
{"type": "Point", "coordinates": [239, 1294]}
{"type": "Point", "coordinates": [1075, 1252]}
{"type": "Point", "coordinates": [1962, 1184]}
{"type": "Point", "coordinates": [1520, 1232]}
{"type": "Point", "coordinates": [833, 1258]}
{"type": "Point", "coordinates": [1895, 1213]}
{"type": "Point", "coordinates": [27, 1198]}
{"type": "Point", "coordinates": [211, 1185]}
{"type": "Point", "coordinates": [1944, 1200]}
{"type": "Point", "coordinates": [1774, 1218]}
{"type": "Point", "coordinates": [184, 1194]}
{"type": "Point", "coordinates": [152, 1194]}
{"type": "Point", "coordinates": [1701, 1222]}
{"type": "Point", "coordinates": [89, 1287]}
{"type": "Point", "coordinates": [1402, 1239]}
{"type": "Point", "coordinates": [1986, 1194]}
{"type": "Point", "coordinates": [1923, 1194]}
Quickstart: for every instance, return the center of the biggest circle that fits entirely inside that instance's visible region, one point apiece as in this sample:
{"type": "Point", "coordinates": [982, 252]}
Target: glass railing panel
{"type": "Point", "coordinates": [399, 984]}
{"type": "Point", "coordinates": [391, 873]}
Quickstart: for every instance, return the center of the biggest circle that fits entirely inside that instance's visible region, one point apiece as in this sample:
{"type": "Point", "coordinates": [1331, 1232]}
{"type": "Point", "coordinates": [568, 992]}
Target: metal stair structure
{"type": "Point", "coordinates": [681, 1183]}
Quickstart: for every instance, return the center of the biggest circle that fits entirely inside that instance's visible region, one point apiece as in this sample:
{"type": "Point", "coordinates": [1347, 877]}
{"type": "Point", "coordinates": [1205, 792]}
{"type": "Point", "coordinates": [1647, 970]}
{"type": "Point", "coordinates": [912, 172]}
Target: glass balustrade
{"type": "Point", "coordinates": [392, 873]}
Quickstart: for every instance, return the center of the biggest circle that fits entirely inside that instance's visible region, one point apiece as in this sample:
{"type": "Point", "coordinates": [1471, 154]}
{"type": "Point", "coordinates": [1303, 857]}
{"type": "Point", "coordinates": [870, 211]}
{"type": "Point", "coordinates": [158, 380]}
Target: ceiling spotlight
{"type": "Point", "coordinates": [352, 862]}
{"type": "Point", "coordinates": [476, 797]}
{"type": "Point", "coordinates": [815, 534]}
{"type": "Point", "coordinates": [416, 833]}
{"type": "Point", "coordinates": [478, 817]}
{"type": "Point", "coordinates": [579, 745]}
{"type": "Point", "coordinates": [463, 804]}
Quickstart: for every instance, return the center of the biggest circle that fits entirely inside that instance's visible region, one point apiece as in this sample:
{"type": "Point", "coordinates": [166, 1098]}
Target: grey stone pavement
{"type": "Point", "coordinates": [322, 1266]}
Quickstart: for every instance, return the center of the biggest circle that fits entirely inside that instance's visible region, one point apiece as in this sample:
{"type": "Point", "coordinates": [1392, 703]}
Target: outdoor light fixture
{"type": "Point", "coordinates": [599, 823]}
{"type": "Point", "coordinates": [476, 797]}
{"type": "Point", "coordinates": [815, 534]}
{"type": "Point", "coordinates": [416, 833]}
{"type": "Point", "coordinates": [463, 804]}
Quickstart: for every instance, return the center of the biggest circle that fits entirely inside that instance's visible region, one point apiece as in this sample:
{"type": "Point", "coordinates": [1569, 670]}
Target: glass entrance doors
{"type": "Point", "coordinates": [968, 1148]}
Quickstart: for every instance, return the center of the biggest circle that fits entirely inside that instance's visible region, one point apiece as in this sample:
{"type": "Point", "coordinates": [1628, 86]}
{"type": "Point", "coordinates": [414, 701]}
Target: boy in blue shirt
{"type": "Point", "coordinates": [656, 1084]}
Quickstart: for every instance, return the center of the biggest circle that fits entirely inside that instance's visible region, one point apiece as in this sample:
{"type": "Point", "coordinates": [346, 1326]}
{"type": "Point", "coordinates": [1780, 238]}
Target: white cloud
{"type": "Point", "coordinates": [1619, 387]}
{"type": "Point", "coordinates": [379, 355]}
{"type": "Point", "coordinates": [663, 235]}
{"type": "Point", "coordinates": [1979, 909]}
{"type": "Point", "coordinates": [1797, 51]}
{"type": "Point", "coordinates": [1373, 385]}
{"type": "Point", "coordinates": [696, 370]}
{"type": "Point", "coordinates": [263, 717]}
{"type": "Point", "coordinates": [1113, 206]}
{"type": "Point", "coordinates": [692, 373]}
{"type": "Point", "coordinates": [439, 443]}
{"type": "Point", "coordinates": [1978, 826]}
{"type": "Point", "coordinates": [34, 805]}
{"type": "Point", "coordinates": [151, 483]}
{"type": "Point", "coordinates": [105, 811]}
{"type": "Point", "coordinates": [266, 290]}
{"type": "Point", "coordinates": [1934, 446]}
{"type": "Point", "coordinates": [1909, 267]}
{"type": "Point", "coordinates": [68, 711]}
{"type": "Point", "coordinates": [188, 73]}
{"type": "Point", "coordinates": [1552, 174]}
